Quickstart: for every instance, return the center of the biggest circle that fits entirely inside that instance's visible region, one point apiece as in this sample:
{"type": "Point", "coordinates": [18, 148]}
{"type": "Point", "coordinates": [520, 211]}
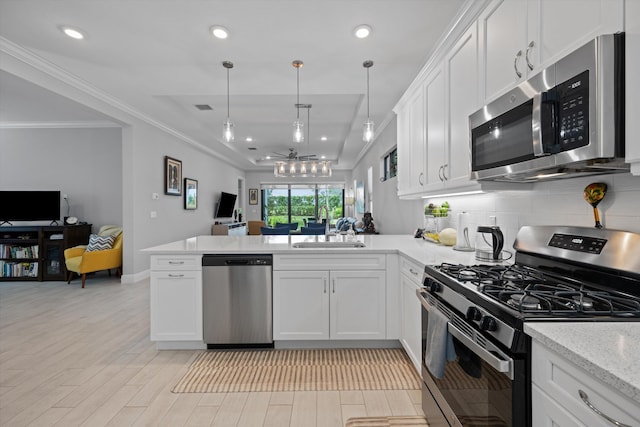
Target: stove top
{"type": "Point", "coordinates": [532, 292]}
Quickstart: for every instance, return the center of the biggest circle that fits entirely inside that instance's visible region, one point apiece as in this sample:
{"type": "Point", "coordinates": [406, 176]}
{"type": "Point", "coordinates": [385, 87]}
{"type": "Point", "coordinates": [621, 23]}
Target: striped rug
{"type": "Point", "coordinates": [299, 370]}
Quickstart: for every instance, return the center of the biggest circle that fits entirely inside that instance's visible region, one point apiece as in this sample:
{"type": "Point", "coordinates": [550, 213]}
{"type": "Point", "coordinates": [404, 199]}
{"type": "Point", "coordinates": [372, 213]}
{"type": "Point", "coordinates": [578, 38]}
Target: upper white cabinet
{"type": "Point", "coordinates": [411, 151]}
{"type": "Point", "coordinates": [436, 126]}
{"type": "Point", "coordinates": [521, 37]}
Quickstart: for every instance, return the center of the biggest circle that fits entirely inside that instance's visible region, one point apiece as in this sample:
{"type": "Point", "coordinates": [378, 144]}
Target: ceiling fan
{"type": "Point", "coordinates": [293, 155]}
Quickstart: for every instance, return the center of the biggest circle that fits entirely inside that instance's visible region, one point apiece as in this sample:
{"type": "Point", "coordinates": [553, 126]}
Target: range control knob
{"type": "Point", "coordinates": [433, 286]}
{"type": "Point", "coordinates": [473, 313]}
{"type": "Point", "coordinates": [488, 323]}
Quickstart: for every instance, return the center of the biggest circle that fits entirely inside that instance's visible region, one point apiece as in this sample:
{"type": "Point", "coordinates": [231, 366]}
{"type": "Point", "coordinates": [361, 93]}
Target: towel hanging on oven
{"type": "Point", "coordinates": [439, 346]}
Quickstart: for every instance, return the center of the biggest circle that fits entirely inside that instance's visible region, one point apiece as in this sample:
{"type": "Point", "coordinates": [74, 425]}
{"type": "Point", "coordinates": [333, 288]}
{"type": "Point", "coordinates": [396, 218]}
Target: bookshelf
{"type": "Point", "coordinates": [37, 252]}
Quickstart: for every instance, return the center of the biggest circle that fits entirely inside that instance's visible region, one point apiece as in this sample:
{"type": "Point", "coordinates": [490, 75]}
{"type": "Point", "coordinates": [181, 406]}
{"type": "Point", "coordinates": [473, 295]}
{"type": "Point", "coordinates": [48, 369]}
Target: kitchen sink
{"type": "Point", "coordinates": [329, 244]}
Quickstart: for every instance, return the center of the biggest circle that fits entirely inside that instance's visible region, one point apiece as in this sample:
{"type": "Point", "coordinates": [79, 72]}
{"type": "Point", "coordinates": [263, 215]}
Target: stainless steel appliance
{"type": "Point", "coordinates": [237, 298]}
{"type": "Point", "coordinates": [566, 121]}
{"type": "Point", "coordinates": [494, 251]}
{"type": "Point", "coordinates": [559, 274]}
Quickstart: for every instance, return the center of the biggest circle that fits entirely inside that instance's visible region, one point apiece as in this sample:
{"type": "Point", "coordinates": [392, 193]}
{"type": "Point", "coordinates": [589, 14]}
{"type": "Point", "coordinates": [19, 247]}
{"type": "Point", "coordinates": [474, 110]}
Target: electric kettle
{"type": "Point", "coordinates": [489, 251]}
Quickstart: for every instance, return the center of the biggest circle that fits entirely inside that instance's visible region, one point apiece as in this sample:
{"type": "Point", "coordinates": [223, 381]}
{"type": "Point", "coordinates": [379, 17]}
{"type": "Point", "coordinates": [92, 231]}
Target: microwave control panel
{"type": "Point", "coordinates": [573, 114]}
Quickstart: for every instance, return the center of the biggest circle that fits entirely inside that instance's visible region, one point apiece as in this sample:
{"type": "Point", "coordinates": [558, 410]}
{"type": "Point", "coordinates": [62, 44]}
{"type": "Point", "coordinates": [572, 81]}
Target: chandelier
{"type": "Point", "coordinates": [298, 167]}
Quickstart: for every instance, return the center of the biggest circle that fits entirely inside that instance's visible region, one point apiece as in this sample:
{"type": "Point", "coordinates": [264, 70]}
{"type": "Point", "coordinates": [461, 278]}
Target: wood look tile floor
{"type": "Point", "coordinates": [82, 357]}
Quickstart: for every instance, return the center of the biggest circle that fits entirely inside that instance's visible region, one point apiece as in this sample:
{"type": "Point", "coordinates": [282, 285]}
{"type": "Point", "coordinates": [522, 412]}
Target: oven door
{"type": "Point", "coordinates": [477, 388]}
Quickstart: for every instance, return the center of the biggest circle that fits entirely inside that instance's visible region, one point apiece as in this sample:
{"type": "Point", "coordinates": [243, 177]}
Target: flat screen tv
{"type": "Point", "coordinates": [225, 206]}
{"type": "Point", "coordinates": [29, 206]}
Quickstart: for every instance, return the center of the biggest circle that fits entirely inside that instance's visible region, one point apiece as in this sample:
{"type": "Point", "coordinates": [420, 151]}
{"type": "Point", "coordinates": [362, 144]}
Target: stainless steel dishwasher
{"type": "Point", "coordinates": [237, 300]}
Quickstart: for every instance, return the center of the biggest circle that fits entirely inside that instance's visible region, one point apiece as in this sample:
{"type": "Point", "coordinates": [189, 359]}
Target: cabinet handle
{"type": "Point", "coordinates": [585, 399]}
{"type": "Point", "coordinates": [420, 178]}
{"type": "Point", "coordinates": [440, 171]}
{"type": "Point", "coordinates": [515, 63]}
{"type": "Point", "coordinates": [412, 271]}
{"type": "Point", "coordinates": [526, 55]}
{"type": "Point", "coordinates": [325, 286]}
{"type": "Point", "coordinates": [176, 262]}
{"type": "Point", "coordinates": [334, 286]}
{"type": "Point", "coordinates": [175, 275]}
{"type": "Point", "coordinates": [444, 171]}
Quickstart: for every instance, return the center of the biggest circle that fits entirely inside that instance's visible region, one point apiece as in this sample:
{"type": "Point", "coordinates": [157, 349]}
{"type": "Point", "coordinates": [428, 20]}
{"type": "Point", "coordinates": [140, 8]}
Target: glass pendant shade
{"type": "Point", "coordinates": [298, 131]}
{"type": "Point", "coordinates": [227, 131]}
{"type": "Point", "coordinates": [302, 168]}
{"type": "Point", "coordinates": [368, 131]}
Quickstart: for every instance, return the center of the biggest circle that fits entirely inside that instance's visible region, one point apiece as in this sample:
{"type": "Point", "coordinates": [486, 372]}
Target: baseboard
{"type": "Point", "coordinates": [127, 279]}
{"type": "Point", "coordinates": [338, 344]}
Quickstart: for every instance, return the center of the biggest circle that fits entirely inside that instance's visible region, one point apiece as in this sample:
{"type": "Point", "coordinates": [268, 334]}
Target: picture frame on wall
{"type": "Point", "coordinates": [253, 196]}
{"type": "Point", "coordinates": [360, 203]}
{"type": "Point", "coordinates": [190, 194]}
{"type": "Point", "coordinates": [172, 176]}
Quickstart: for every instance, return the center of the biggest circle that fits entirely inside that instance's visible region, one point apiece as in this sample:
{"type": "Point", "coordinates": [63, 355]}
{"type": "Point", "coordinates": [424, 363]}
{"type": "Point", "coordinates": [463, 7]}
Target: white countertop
{"type": "Point", "coordinates": [419, 250]}
{"type": "Point", "coordinates": [610, 351]}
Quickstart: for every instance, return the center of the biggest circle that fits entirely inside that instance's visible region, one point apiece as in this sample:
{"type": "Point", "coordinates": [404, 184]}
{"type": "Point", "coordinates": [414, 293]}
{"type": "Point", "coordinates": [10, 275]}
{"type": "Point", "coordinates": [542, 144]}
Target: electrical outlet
{"type": "Point", "coordinates": [153, 214]}
{"type": "Point", "coordinates": [155, 196]}
{"type": "Point", "coordinates": [65, 196]}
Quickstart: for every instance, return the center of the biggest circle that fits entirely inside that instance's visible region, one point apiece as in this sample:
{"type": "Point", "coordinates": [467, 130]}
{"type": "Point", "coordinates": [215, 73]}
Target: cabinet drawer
{"type": "Point", "coordinates": [334, 261]}
{"type": "Point", "coordinates": [411, 270]}
{"type": "Point", "coordinates": [176, 262]}
{"type": "Point", "coordinates": [562, 380]}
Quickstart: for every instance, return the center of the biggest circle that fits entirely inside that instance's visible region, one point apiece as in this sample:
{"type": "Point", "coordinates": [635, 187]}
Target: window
{"type": "Point", "coordinates": [390, 164]}
{"type": "Point", "coordinates": [301, 203]}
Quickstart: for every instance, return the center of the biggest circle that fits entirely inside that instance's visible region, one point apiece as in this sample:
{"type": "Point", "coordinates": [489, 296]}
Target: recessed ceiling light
{"type": "Point", "coordinates": [248, 139]}
{"type": "Point", "coordinates": [268, 157]}
{"type": "Point", "coordinates": [323, 138]}
{"type": "Point", "coordinates": [323, 157]}
{"type": "Point", "coordinates": [219, 32]}
{"type": "Point", "coordinates": [362, 31]}
{"type": "Point", "coordinates": [74, 33]}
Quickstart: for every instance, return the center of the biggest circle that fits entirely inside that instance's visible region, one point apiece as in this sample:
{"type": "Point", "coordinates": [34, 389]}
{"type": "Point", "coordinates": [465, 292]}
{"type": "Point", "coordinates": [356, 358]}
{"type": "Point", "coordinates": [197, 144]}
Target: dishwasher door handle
{"type": "Point", "coordinates": [237, 262]}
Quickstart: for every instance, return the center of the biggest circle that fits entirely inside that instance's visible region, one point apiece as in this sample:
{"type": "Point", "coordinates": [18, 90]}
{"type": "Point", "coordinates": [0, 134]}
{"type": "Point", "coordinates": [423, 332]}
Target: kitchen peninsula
{"type": "Point", "coordinates": [176, 303]}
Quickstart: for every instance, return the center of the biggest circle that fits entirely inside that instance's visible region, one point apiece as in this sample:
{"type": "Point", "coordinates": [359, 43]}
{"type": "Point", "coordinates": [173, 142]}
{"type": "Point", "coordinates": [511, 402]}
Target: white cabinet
{"type": "Point", "coordinates": [436, 124]}
{"type": "Point", "coordinates": [411, 144]}
{"type": "Point", "coordinates": [519, 38]}
{"type": "Point", "coordinates": [556, 394]}
{"type": "Point", "coordinates": [311, 302]}
{"type": "Point", "coordinates": [176, 298]}
{"type": "Point", "coordinates": [411, 337]}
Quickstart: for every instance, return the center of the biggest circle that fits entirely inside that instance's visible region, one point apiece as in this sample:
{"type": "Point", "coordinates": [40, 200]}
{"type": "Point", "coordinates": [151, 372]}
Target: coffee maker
{"type": "Point", "coordinates": [489, 252]}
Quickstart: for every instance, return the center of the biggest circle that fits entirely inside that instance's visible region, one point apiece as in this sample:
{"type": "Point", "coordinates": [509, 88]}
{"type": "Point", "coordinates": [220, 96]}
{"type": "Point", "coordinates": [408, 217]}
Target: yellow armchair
{"type": "Point", "coordinates": [81, 262]}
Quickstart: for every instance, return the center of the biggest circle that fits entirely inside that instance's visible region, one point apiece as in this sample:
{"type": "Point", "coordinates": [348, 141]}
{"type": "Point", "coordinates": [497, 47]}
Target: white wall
{"type": "Point", "coordinates": [390, 214]}
{"type": "Point", "coordinates": [83, 163]}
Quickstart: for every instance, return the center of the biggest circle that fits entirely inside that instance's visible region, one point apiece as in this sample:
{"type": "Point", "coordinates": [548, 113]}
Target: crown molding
{"type": "Point", "coordinates": [59, 125]}
{"type": "Point", "coordinates": [52, 70]}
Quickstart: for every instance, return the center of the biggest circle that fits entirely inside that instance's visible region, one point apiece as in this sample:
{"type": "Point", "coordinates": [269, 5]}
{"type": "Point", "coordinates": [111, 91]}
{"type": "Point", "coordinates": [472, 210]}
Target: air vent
{"type": "Point", "coordinates": [252, 148]}
{"type": "Point", "coordinates": [204, 107]}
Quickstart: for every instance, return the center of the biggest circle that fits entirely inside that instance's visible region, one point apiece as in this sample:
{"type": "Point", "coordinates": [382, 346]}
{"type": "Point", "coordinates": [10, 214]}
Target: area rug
{"type": "Point", "coordinates": [299, 370]}
{"type": "Point", "coordinates": [386, 422]}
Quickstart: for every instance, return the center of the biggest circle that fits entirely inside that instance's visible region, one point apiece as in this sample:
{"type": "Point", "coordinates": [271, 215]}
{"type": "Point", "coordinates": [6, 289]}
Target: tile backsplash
{"type": "Point", "coordinates": [558, 202]}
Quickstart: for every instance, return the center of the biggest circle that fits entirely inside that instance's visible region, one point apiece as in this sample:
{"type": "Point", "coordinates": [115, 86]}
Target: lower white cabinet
{"type": "Point", "coordinates": [323, 305]}
{"type": "Point", "coordinates": [559, 390]}
{"type": "Point", "coordinates": [411, 337]}
{"type": "Point", "coordinates": [176, 298]}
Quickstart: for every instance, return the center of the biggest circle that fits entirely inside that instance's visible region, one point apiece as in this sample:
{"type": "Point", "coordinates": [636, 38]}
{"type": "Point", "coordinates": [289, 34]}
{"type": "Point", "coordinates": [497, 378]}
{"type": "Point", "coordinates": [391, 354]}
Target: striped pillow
{"type": "Point", "coordinates": [100, 243]}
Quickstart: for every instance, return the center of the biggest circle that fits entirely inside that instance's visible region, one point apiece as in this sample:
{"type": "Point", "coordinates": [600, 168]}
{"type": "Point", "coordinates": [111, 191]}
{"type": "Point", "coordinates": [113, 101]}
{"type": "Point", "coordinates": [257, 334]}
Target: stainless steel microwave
{"type": "Point", "coordinates": [566, 121]}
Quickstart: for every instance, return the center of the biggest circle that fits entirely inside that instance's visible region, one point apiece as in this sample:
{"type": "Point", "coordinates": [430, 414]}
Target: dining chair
{"type": "Point", "coordinates": [316, 225]}
{"type": "Point", "coordinates": [312, 230]}
{"type": "Point", "coordinates": [292, 226]}
{"type": "Point", "coordinates": [274, 230]}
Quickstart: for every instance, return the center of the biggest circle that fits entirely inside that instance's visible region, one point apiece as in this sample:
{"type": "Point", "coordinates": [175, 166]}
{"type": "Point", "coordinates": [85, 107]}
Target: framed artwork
{"type": "Point", "coordinates": [190, 193]}
{"type": "Point", "coordinates": [253, 196]}
{"type": "Point", "coordinates": [172, 176]}
{"type": "Point", "coordinates": [360, 197]}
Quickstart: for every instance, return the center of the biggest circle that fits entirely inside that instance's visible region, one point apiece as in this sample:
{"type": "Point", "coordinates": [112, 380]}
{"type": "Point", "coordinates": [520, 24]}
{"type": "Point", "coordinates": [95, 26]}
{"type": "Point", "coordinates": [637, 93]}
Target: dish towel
{"type": "Point", "coordinates": [439, 346]}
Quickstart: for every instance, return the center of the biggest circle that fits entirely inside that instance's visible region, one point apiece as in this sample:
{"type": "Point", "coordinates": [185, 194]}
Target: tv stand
{"type": "Point", "coordinates": [37, 252]}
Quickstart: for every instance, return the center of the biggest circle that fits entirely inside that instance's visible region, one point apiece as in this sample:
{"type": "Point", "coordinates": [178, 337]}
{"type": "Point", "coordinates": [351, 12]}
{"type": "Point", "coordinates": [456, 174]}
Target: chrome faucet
{"type": "Point", "coordinates": [326, 218]}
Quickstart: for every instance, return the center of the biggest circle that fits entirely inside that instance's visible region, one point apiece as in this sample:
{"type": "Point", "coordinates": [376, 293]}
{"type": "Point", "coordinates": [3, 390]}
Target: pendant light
{"type": "Point", "coordinates": [227, 130]}
{"type": "Point", "coordinates": [298, 132]}
{"type": "Point", "coordinates": [368, 127]}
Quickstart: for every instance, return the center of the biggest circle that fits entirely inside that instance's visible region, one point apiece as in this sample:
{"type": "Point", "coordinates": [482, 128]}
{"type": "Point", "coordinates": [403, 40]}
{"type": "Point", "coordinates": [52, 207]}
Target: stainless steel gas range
{"type": "Point", "coordinates": [476, 365]}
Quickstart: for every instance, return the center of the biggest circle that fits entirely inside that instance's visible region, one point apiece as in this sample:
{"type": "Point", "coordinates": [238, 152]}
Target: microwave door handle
{"type": "Point", "coordinates": [536, 125]}
{"type": "Point", "coordinates": [501, 365]}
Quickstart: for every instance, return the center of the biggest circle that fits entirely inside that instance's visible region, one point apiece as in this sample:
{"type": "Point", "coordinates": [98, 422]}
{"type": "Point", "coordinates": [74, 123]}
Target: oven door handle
{"type": "Point", "coordinates": [501, 365]}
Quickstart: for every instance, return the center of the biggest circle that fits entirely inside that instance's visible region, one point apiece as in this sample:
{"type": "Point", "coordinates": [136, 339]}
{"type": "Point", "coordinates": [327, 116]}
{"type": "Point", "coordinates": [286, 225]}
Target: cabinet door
{"type": "Point", "coordinates": [176, 306]}
{"type": "Point", "coordinates": [411, 144]}
{"type": "Point", "coordinates": [561, 26]}
{"type": "Point", "coordinates": [411, 320]}
{"type": "Point", "coordinates": [462, 66]}
{"type": "Point", "coordinates": [435, 127]}
{"type": "Point", "coordinates": [503, 29]}
{"type": "Point", "coordinates": [404, 149]}
{"type": "Point", "coordinates": [358, 305]}
{"type": "Point", "coordinates": [300, 305]}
